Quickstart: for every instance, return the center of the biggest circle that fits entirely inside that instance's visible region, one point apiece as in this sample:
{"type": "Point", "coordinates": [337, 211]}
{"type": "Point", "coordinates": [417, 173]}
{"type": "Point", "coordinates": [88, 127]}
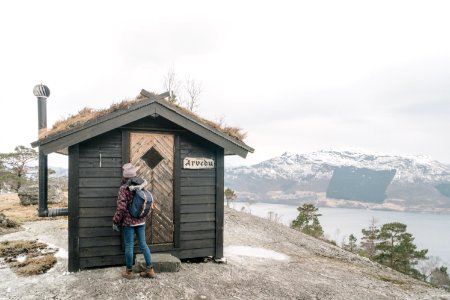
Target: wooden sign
{"type": "Point", "coordinates": [198, 163]}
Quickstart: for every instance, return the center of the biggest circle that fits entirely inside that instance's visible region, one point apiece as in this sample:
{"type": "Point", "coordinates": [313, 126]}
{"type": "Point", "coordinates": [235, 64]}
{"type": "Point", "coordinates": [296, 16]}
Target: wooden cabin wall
{"type": "Point", "coordinates": [198, 197]}
{"type": "Point", "coordinates": [197, 201]}
{"type": "Point", "coordinates": [100, 172]}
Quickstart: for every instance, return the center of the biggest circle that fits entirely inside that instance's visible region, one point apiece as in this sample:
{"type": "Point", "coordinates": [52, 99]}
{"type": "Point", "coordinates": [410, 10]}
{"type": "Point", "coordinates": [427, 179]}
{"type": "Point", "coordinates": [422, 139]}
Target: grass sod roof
{"type": "Point", "coordinates": [88, 115]}
{"type": "Point", "coordinates": [84, 116]}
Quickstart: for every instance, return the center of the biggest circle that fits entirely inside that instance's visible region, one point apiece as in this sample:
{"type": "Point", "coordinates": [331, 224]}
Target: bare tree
{"type": "Point", "coordinates": [171, 84]}
{"type": "Point", "coordinates": [426, 267]}
{"type": "Point", "coordinates": [274, 217]}
{"type": "Point", "coordinates": [185, 93]}
{"type": "Point", "coordinates": [250, 202]}
{"type": "Point", "coordinates": [230, 196]}
{"type": "Point", "coordinates": [193, 91]}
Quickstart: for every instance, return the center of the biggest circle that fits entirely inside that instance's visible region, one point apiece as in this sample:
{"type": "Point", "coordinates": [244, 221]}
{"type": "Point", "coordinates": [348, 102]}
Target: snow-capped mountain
{"type": "Point", "coordinates": [321, 164]}
{"type": "Point", "coordinates": [417, 179]}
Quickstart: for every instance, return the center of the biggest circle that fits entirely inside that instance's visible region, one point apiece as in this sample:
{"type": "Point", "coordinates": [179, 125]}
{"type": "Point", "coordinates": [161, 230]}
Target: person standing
{"type": "Point", "coordinates": [130, 225]}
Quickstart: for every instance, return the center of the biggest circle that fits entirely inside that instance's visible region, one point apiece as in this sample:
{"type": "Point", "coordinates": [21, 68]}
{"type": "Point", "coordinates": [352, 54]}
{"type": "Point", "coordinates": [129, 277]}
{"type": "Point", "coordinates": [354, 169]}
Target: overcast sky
{"type": "Point", "coordinates": [297, 76]}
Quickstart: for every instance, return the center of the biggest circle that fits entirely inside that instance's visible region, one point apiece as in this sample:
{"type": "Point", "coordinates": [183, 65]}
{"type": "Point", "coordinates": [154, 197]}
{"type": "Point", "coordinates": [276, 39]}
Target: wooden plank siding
{"type": "Point", "coordinates": [197, 201]}
{"type": "Point", "coordinates": [100, 261]}
{"type": "Point", "coordinates": [151, 124]}
{"type": "Point", "coordinates": [100, 171]}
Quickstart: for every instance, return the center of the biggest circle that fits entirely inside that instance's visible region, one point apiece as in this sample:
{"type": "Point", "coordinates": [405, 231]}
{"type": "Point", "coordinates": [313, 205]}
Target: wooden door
{"type": "Point", "coordinates": [153, 156]}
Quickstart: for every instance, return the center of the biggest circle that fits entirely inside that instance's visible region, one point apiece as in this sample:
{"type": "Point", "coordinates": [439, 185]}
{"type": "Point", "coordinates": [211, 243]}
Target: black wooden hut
{"type": "Point", "coordinates": [180, 155]}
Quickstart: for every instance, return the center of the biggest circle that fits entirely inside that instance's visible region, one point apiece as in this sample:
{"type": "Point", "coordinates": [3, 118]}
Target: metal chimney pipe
{"type": "Point", "coordinates": [42, 92]}
{"type": "Point", "coordinates": [42, 112]}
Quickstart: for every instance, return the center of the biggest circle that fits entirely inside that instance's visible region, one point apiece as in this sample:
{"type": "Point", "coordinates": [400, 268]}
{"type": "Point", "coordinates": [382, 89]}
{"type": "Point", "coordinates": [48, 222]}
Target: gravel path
{"type": "Point", "coordinates": [264, 261]}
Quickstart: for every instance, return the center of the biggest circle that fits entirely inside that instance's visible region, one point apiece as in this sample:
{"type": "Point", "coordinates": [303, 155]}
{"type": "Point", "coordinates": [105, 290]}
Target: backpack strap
{"type": "Point", "coordinates": [144, 194]}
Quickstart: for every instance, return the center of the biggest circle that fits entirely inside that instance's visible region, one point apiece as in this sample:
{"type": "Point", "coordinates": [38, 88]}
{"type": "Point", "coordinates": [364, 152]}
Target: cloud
{"type": "Point", "coordinates": [166, 42]}
{"type": "Point", "coordinates": [438, 108]}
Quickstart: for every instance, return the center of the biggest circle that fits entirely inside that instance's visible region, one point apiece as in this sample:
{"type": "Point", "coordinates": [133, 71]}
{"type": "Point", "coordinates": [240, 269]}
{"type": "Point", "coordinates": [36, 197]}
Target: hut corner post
{"type": "Point", "coordinates": [220, 164]}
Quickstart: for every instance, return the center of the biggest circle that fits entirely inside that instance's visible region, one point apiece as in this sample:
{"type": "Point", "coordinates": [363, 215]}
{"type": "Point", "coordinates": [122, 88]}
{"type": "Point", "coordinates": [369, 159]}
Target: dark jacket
{"type": "Point", "coordinates": [122, 216]}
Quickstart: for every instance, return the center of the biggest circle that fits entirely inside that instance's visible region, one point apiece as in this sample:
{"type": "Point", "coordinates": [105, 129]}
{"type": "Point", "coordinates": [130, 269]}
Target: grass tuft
{"type": "Point", "coordinates": [391, 280]}
{"type": "Point", "coordinates": [34, 265]}
{"type": "Point", "coordinates": [39, 258]}
{"type": "Point", "coordinates": [10, 249]}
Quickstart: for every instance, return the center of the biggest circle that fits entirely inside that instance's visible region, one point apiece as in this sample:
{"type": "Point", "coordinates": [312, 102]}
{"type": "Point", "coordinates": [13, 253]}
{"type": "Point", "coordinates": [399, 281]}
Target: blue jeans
{"type": "Point", "coordinates": [128, 232]}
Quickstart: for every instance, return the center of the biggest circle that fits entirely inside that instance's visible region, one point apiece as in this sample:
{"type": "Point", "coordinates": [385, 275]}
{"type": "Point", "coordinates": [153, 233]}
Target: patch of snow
{"type": "Point", "coordinates": [254, 252]}
{"type": "Point", "coordinates": [62, 253]}
{"type": "Point", "coordinates": [58, 252]}
{"type": "Point", "coordinates": [21, 258]}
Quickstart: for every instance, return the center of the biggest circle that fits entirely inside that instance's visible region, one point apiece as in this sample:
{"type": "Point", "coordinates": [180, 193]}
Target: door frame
{"type": "Point", "coordinates": [176, 184]}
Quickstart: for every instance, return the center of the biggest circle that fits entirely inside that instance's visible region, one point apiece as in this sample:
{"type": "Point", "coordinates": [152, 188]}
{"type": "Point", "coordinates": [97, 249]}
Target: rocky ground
{"type": "Point", "coordinates": [264, 261]}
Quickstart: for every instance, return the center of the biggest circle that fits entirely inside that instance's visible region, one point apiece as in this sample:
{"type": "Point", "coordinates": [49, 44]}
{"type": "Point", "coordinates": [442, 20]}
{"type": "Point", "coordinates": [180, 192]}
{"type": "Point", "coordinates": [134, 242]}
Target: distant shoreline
{"type": "Point", "coordinates": [351, 204]}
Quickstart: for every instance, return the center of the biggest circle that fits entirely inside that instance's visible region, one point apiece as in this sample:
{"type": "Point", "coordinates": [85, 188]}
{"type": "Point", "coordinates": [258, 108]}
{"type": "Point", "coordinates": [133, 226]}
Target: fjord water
{"type": "Point", "coordinates": [431, 231]}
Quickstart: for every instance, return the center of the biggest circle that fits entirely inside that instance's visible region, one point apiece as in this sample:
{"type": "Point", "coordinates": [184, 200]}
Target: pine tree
{"type": "Point", "coordinates": [351, 246]}
{"type": "Point", "coordinates": [396, 249]}
{"type": "Point", "coordinates": [439, 277]}
{"type": "Point", "coordinates": [307, 220]}
{"type": "Point", "coordinates": [17, 165]}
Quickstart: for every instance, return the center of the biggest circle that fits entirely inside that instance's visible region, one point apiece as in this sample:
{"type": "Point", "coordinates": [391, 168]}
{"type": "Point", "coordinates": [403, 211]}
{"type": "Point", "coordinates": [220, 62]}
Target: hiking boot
{"type": "Point", "coordinates": [128, 274]}
{"type": "Point", "coordinates": [148, 273]}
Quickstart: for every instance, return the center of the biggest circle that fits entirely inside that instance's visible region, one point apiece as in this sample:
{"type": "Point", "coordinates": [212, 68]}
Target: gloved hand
{"type": "Point", "coordinates": [115, 228]}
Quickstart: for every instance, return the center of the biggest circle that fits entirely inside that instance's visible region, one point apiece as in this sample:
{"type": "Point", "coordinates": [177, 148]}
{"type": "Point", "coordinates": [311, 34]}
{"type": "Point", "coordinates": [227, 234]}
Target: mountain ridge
{"type": "Point", "coordinates": [292, 176]}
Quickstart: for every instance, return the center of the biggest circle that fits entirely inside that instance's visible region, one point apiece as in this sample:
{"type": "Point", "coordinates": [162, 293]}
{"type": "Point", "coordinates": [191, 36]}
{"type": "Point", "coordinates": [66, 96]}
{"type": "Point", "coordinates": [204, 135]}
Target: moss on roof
{"type": "Point", "coordinates": [88, 114]}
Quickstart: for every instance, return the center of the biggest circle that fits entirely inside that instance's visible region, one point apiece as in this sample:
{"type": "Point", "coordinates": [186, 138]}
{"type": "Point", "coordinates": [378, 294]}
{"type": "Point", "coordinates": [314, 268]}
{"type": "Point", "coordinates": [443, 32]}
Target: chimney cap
{"type": "Point", "coordinates": [41, 91]}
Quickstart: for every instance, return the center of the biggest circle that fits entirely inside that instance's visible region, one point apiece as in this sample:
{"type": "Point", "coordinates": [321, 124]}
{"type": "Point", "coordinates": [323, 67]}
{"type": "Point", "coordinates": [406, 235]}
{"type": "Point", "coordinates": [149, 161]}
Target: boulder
{"type": "Point", "coordinates": [7, 223]}
{"type": "Point", "coordinates": [3, 220]}
{"type": "Point", "coordinates": [161, 262]}
{"type": "Point", "coordinates": [29, 194]}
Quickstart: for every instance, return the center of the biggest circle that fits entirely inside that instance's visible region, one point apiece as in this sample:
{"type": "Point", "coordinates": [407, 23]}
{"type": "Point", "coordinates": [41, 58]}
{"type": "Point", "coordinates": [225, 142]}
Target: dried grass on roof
{"type": "Point", "coordinates": [85, 115]}
{"type": "Point", "coordinates": [88, 114]}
